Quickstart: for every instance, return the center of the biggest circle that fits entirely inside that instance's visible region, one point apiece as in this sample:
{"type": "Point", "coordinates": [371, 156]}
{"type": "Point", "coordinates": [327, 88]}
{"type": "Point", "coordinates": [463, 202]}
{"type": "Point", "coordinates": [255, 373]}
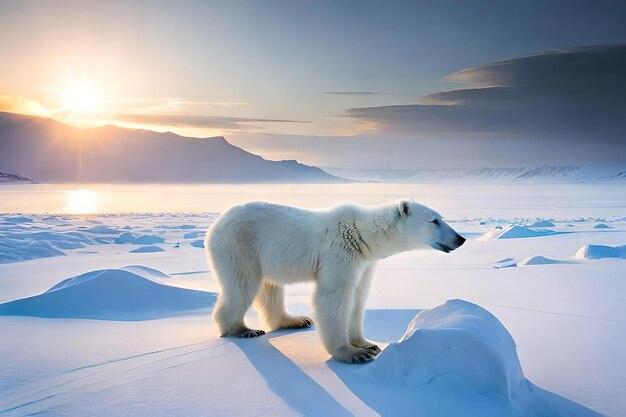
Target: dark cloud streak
{"type": "Point", "coordinates": [576, 94]}
{"type": "Point", "coordinates": [197, 121]}
{"type": "Point", "coordinates": [355, 93]}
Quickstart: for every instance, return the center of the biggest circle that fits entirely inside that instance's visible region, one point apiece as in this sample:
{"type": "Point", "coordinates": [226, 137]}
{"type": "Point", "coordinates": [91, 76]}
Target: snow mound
{"type": "Point", "coordinates": [198, 243]}
{"type": "Point", "coordinates": [102, 230]}
{"type": "Point", "coordinates": [602, 226]}
{"type": "Point", "coordinates": [148, 249]}
{"type": "Point", "coordinates": [20, 244]}
{"type": "Point", "coordinates": [179, 227]}
{"type": "Point", "coordinates": [15, 250]}
{"type": "Point", "coordinates": [18, 219]}
{"type": "Point", "coordinates": [542, 223]}
{"type": "Point", "coordinates": [128, 237]}
{"type": "Point", "coordinates": [601, 251]}
{"type": "Point", "coordinates": [125, 237]}
{"type": "Point", "coordinates": [505, 263]}
{"type": "Point", "coordinates": [458, 340]}
{"type": "Point", "coordinates": [148, 240]}
{"type": "Point", "coordinates": [129, 293]}
{"type": "Point", "coordinates": [515, 232]}
{"type": "Point", "coordinates": [146, 272]}
{"type": "Point", "coordinates": [540, 260]}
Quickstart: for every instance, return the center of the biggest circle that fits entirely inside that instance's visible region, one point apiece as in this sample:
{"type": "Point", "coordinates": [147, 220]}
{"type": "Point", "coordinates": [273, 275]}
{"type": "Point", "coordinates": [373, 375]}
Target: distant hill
{"type": "Point", "coordinates": [49, 151]}
{"type": "Point", "coordinates": [6, 178]}
{"type": "Point", "coordinates": [538, 174]}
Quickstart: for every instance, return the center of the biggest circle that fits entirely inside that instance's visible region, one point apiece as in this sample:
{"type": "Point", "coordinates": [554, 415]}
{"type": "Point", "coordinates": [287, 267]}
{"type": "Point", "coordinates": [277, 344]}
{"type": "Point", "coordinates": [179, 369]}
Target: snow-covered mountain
{"type": "Point", "coordinates": [49, 151]}
{"type": "Point", "coordinates": [538, 174]}
{"type": "Point", "coordinates": [7, 178]}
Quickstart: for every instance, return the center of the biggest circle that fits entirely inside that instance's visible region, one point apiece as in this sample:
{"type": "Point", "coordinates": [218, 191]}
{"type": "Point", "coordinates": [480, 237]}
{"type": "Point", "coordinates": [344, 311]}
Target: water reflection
{"type": "Point", "coordinates": [455, 200]}
{"type": "Point", "coordinates": [82, 201]}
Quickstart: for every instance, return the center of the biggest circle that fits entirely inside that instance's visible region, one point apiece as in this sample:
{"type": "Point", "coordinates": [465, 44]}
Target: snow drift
{"type": "Point", "coordinates": [198, 243]}
{"type": "Point", "coordinates": [148, 249]}
{"type": "Point", "coordinates": [541, 260]}
{"type": "Point", "coordinates": [23, 243]}
{"type": "Point", "coordinates": [542, 223]}
{"type": "Point", "coordinates": [15, 250]}
{"type": "Point", "coordinates": [459, 357]}
{"type": "Point", "coordinates": [515, 232]}
{"type": "Point", "coordinates": [148, 240]}
{"type": "Point", "coordinates": [129, 293]}
{"type": "Point", "coordinates": [601, 251]}
{"type": "Point", "coordinates": [458, 338]}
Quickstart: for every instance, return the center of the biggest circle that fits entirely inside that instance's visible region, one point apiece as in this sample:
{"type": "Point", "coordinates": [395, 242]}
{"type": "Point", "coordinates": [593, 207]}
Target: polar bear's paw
{"type": "Point", "coordinates": [374, 349]}
{"type": "Point", "coordinates": [295, 322]}
{"type": "Point", "coordinates": [356, 355]}
{"type": "Point", "coordinates": [244, 333]}
{"type": "Point", "coordinates": [369, 346]}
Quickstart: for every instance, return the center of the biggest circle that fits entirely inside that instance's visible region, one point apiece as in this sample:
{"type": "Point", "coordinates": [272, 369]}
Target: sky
{"type": "Point", "coordinates": [394, 85]}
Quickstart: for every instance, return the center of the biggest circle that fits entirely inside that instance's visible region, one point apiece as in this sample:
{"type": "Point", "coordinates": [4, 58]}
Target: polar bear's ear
{"type": "Point", "coordinates": [403, 208]}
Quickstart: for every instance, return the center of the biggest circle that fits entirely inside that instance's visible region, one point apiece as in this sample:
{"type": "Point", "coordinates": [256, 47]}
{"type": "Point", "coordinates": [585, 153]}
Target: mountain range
{"type": "Point", "coordinates": [546, 174]}
{"type": "Point", "coordinates": [46, 150]}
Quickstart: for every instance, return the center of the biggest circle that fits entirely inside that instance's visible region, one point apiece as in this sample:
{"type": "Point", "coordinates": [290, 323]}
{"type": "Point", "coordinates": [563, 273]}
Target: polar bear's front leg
{"type": "Point", "coordinates": [334, 301]}
{"type": "Point", "coordinates": [356, 319]}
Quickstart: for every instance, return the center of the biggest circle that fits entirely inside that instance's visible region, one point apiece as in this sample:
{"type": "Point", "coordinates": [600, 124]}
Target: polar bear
{"type": "Point", "coordinates": [258, 247]}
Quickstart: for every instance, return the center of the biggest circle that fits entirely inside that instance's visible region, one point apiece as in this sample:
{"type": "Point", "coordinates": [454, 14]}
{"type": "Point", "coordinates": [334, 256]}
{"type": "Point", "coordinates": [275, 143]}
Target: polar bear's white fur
{"type": "Point", "coordinates": [258, 247]}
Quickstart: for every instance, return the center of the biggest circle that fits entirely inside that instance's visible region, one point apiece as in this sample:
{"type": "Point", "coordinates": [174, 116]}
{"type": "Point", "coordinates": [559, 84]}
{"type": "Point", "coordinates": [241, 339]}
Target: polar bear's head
{"type": "Point", "coordinates": [421, 227]}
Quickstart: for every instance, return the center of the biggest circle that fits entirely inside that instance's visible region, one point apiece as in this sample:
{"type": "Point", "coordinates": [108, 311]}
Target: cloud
{"type": "Point", "coordinates": [354, 93]}
{"type": "Point", "coordinates": [197, 121]}
{"type": "Point", "coordinates": [576, 94]}
{"type": "Point", "coordinates": [23, 105]}
{"type": "Point", "coordinates": [168, 105]}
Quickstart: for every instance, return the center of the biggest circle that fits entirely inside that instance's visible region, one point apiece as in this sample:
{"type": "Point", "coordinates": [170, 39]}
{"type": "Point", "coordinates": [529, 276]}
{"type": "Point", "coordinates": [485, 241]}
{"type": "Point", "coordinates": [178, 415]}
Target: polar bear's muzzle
{"type": "Point", "coordinates": [447, 247]}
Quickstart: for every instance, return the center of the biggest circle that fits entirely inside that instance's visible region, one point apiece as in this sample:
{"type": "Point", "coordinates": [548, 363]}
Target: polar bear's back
{"type": "Point", "coordinates": [283, 241]}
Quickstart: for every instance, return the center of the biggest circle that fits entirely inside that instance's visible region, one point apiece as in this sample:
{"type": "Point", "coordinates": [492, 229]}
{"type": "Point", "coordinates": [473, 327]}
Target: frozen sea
{"type": "Point", "coordinates": [547, 260]}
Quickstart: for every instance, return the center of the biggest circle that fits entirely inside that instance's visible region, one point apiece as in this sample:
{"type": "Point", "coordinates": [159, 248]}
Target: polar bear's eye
{"type": "Point", "coordinates": [436, 222]}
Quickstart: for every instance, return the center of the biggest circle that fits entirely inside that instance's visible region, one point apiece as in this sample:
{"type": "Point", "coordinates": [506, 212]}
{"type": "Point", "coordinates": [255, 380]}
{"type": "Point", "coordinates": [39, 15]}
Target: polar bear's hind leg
{"type": "Point", "coordinates": [233, 303]}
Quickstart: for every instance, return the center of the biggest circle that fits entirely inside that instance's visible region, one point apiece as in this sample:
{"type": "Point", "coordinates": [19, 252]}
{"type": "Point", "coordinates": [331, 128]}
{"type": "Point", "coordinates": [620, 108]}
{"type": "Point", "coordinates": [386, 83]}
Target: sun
{"type": "Point", "coordinates": [82, 98]}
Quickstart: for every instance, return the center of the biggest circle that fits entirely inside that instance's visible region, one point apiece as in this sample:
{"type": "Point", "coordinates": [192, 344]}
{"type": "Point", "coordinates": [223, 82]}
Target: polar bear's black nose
{"type": "Point", "coordinates": [459, 240]}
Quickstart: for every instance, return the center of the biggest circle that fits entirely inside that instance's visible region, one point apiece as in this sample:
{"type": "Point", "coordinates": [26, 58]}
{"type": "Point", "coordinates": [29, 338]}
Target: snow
{"type": "Point", "coordinates": [146, 272]}
{"type": "Point", "coordinates": [13, 250]}
{"type": "Point", "coordinates": [198, 243]}
{"type": "Point", "coordinates": [515, 232]}
{"type": "Point", "coordinates": [602, 226]}
{"type": "Point", "coordinates": [542, 223]}
{"type": "Point", "coordinates": [18, 219]}
{"type": "Point", "coordinates": [457, 339]}
{"type": "Point", "coordinates": [87, 334]}
{"type": "Point", "coordinates": [148, 249]}
{"type": "Point", "coordinates": [540, 260]}
{"type": "Point", "coordinates": [125, 237]}
{"type": "Point", "coordinates": [104, 230]}
{"type": "Point", "coordinates": [544, 174]}
{"type": "Point", "coordinates": [130, 293]}
{"type": "Point", "coordinates": [148, 240]}
{"type": "Point", "coordinates": [601, 251]}
{"type": "Point", "coordinates": [462, 349]}
{"type": "Point", "coordinates": [22, 238]}
{"type": "Point", "coordinates": [505, 263]}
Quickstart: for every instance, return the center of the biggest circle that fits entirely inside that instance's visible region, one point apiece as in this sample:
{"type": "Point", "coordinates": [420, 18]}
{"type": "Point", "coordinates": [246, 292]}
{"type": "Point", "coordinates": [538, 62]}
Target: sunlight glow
{"type": "Point", "coordinates": [82, 201]}
{"type": "Point", "coordinates": [82, 98]}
